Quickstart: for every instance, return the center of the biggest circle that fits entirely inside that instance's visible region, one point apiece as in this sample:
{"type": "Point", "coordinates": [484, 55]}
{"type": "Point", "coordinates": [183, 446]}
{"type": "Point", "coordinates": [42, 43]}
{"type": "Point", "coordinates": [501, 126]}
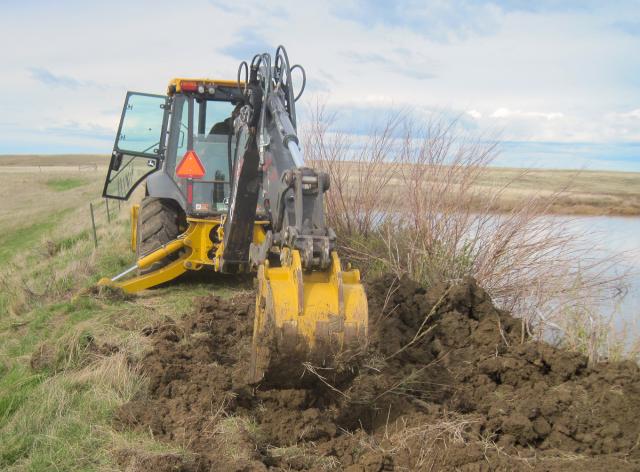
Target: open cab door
{"type": "Point", "coordinates": [139, 145]}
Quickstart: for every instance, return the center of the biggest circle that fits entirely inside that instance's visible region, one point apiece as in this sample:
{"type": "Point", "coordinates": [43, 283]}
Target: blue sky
{"type": "Point", "coordinates": [559, 82]}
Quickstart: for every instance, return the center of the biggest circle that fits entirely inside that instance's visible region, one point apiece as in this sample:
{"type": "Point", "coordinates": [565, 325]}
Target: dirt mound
{"type": "Point", "coordinates": [448, 383]}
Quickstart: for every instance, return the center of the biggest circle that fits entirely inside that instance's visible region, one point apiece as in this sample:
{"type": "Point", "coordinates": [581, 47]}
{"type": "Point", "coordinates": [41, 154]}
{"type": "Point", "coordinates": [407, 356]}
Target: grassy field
{"type": "Point", "coordinates": [574, 192]}
{"type": "Point", "coordinates": [580, 192]}
{"type": "Point", "coordinates": [76, 160]}
{"type": "Point", "coordinates": [68, 351]}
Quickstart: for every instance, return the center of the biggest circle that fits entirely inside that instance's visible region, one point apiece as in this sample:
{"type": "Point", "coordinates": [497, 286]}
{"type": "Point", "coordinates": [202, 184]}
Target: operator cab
{"type": "Point", "coordinates": [206, 127]}
{"type": "Point", "coordinates": [158, 134]}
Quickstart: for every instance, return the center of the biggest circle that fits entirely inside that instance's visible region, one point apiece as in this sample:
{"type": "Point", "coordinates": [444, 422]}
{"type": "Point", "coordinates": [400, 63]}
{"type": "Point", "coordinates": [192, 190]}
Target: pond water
{"type": "Point", "coordinates": [614, 235]}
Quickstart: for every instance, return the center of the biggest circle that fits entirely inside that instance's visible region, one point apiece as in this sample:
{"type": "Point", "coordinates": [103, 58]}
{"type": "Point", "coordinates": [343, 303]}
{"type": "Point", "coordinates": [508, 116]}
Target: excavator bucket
{"type": "Point", "coordinates": [315, 319]}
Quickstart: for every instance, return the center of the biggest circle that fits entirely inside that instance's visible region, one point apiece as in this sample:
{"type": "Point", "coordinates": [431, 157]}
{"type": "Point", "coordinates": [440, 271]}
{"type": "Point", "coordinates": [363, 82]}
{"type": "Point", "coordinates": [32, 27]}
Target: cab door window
{"type": "Point", "coordinates": [139, 144]}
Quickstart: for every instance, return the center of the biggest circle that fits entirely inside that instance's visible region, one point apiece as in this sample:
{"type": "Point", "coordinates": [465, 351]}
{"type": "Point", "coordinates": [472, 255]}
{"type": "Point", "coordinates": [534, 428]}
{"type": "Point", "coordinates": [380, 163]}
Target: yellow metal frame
{"type": "Point", "coordinates": [320, 311]}
{"type": "Point", "coordinates": [197, 251]}
{"type": "Point", "coordinates": [135, 211]}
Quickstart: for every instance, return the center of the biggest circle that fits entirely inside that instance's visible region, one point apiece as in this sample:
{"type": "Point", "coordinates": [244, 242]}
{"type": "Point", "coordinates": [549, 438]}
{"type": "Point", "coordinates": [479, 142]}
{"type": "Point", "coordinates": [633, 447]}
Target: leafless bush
{"type": "Point", "coordinates": [408, 198]}
{"type": "Point", "coordinates": [360, 173]}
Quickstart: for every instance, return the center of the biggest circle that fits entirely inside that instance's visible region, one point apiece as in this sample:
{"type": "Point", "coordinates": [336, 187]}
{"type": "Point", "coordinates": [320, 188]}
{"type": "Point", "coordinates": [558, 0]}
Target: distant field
{"type": "Point", "coordinates": [54, 160]}
{"type": "Point", "coordinates": [582, 192]}
{"type": "Point", "coordinates": [574, 192]}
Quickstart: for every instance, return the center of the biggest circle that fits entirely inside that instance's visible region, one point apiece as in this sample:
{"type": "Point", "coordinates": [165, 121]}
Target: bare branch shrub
{"type": "Point", "coordinates": [408, 198]}
{"type": "Point", "coordinates": [359, 174]}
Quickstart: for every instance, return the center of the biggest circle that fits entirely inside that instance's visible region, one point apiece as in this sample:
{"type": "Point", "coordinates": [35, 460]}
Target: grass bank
{"type": "Point", "coordinates": [68, 353]}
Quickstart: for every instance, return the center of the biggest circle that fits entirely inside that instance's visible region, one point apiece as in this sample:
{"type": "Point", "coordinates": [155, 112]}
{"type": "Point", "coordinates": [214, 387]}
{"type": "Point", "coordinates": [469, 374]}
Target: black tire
{"type": "Point", "coordinates": [160, 220]}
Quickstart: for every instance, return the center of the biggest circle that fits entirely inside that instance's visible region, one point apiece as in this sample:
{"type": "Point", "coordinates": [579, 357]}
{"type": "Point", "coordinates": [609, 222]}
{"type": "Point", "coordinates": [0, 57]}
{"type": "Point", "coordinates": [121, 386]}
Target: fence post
{"type": "Point", "coordinates": [93, 224]}
{"type": "Point", "coordinates": [106, 202]}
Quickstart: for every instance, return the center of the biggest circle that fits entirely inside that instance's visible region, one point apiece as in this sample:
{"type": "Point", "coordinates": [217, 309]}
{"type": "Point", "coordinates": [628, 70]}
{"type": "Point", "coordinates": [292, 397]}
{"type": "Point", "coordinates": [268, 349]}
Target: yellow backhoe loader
{"type": "Point", "coordinates": [226, 188]}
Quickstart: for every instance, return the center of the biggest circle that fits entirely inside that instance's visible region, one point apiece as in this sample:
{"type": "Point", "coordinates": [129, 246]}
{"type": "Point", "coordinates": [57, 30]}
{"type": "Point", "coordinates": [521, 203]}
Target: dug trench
{"type": "Point", "coordinates": [448, 382]}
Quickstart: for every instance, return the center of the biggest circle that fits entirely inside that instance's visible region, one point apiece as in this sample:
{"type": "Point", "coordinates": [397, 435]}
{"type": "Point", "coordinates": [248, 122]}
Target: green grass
{"type": "Point", "coordinates": [17, 240]}
{"type": "Point", "coordinates": [15, 386]}
{"type": "Point", "coordinates": [62, 184]}
{"type": "Point", "coordinates": [57, 396]}
{"type": "Point", "coordinates": [55, 427]}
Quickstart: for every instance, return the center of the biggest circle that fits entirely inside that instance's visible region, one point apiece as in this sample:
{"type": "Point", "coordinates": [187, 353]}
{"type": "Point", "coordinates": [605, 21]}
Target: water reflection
{"type": "Point", "coordinates": [614, 235]}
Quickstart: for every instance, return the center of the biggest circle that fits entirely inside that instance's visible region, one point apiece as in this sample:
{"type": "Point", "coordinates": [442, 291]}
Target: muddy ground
{"type": "Point", "coordinates": [448, 383]}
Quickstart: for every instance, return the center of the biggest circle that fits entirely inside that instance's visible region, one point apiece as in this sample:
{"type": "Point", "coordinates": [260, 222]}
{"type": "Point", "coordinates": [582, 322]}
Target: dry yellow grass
{"type": "Point", "coordinates": [574, 192]}
{"type": "Point", "coordinates": [27, 197]}
{"type": "Point", "coordinates": [582, 192]}
{"type": "Point", "coordinates": [54, 160]}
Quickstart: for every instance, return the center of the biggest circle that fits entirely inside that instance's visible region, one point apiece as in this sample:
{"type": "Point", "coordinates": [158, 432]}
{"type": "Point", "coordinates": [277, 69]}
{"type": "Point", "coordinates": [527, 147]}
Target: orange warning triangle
{"type": "Point", "coordinates": [190, 166]}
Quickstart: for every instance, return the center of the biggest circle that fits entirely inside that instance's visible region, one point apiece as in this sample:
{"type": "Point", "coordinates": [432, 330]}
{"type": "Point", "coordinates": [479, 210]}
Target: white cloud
{"type": "Point", "coordinates": [501, 113]}
{"type": "Point", "coordinates": [474, 114]}
{"type": "Point", "coordinates": [631, 114]}
{"type": "Point", "coordinates": [540, 74]}
{"type": "Point", "coordinates": [507, 113]}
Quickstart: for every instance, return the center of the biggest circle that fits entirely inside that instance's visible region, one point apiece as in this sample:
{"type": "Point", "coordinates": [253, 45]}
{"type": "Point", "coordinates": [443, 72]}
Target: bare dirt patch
{"type": "Point", "coordinates": [448, 383]}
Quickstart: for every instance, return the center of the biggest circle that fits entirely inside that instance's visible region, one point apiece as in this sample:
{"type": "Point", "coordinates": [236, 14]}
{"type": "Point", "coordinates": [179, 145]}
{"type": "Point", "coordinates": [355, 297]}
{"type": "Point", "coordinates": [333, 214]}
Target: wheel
{"type": "Point", "coordinates": [160, 220]}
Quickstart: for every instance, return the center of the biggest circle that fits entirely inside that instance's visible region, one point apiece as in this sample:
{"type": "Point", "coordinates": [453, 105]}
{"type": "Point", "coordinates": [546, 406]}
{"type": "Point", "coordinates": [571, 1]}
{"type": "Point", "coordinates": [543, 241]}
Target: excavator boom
{"type": "Point", "coordinates": [308, 308]}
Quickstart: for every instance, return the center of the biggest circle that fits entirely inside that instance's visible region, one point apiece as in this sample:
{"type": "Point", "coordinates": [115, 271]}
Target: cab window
{"type": "Point", "coordinates": [211, 124]}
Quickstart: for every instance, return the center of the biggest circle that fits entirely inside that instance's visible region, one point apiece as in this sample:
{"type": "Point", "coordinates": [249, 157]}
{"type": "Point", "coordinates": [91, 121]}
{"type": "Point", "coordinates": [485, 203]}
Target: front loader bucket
{"type": "Point", "coordinates": [306, 320]}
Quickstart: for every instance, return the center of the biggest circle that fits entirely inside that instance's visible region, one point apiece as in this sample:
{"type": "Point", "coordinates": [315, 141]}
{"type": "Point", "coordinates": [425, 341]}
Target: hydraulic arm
{"type": "Point", "coordinates": [270, 219]}
{"type": "Point", "coordinates": [306, 307]}
{"type": "Point", "coordinates": [266, 139]}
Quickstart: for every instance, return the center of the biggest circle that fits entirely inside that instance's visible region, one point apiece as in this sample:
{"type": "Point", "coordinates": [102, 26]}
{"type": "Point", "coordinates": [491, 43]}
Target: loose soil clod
{"type": "Point", "coordinates": [447, 384]}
